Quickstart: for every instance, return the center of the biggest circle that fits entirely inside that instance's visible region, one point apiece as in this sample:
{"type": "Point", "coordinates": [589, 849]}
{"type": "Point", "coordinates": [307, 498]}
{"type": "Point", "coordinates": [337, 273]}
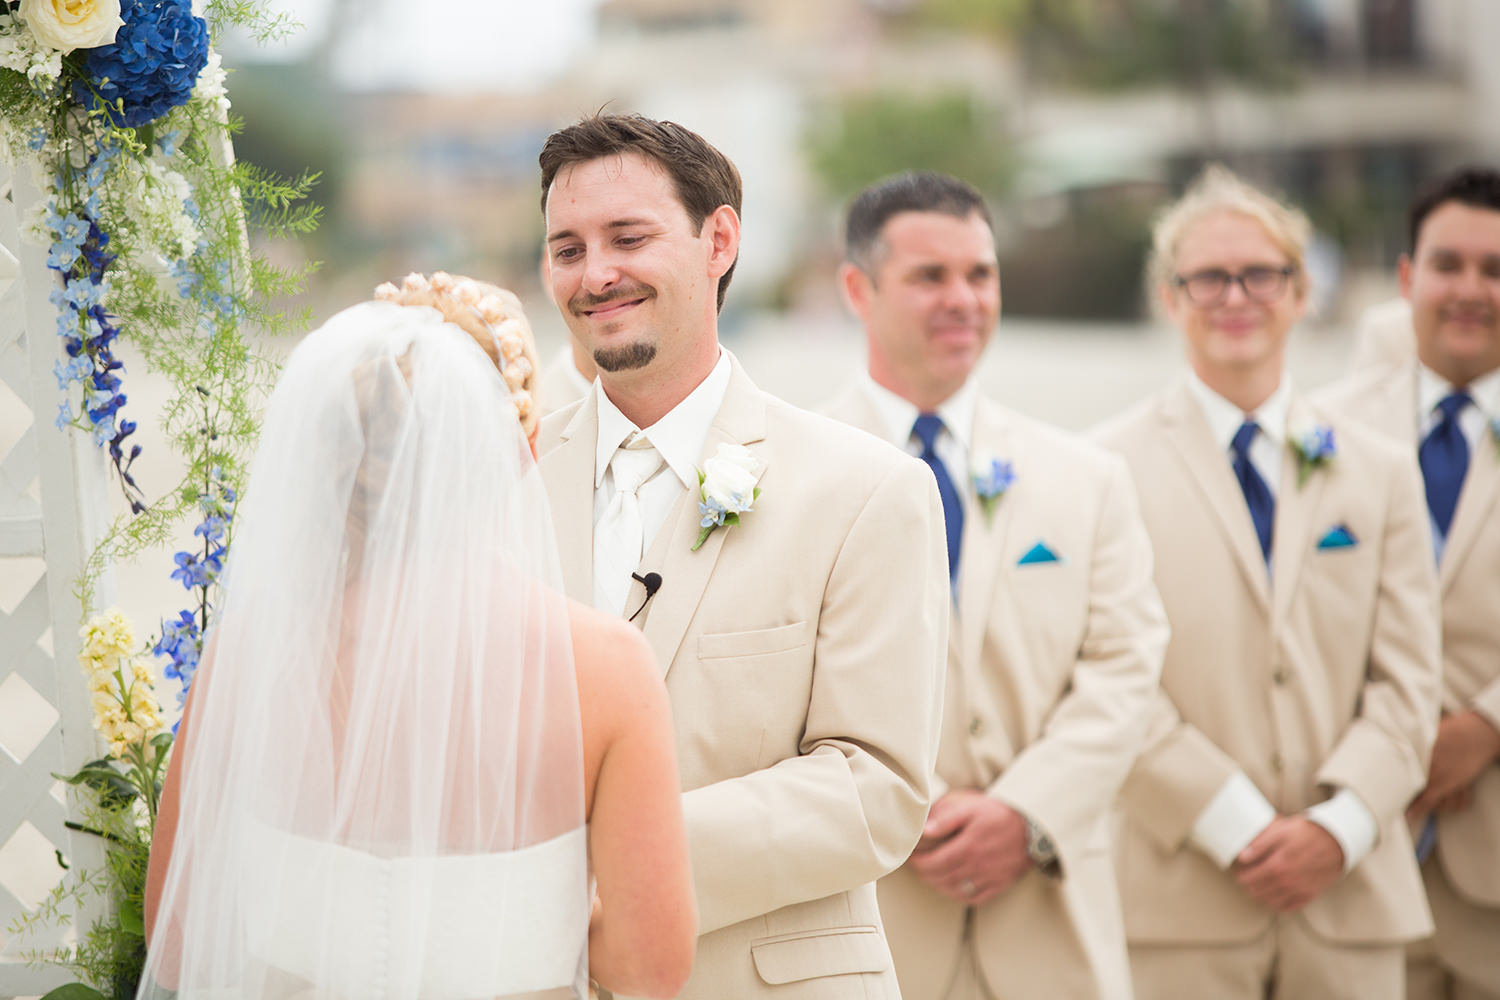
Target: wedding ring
{"type": "Point", "coordinates": [966, 887]}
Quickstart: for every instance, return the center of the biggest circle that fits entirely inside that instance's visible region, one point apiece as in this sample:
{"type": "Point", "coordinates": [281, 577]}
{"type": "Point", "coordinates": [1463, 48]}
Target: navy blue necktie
{"type": "Point", "coordinates": [927, 428]}
{"type": "Point", "coordinates": [1444, 456]}
{"type": "Point", "coordinates": [1257, 494]}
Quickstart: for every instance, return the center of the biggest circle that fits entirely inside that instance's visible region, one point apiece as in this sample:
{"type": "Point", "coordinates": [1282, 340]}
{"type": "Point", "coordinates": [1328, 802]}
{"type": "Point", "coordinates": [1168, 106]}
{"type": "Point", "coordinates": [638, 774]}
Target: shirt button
{"type": "Point", "coordinates": [976, 726]}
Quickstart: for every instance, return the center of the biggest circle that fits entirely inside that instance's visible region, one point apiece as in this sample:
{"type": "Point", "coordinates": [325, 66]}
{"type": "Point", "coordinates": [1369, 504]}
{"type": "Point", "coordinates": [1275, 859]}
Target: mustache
{"type": "Point", "coordinates": [1468, 312]}
{"type": "Point", "coordinates": [585, 300]}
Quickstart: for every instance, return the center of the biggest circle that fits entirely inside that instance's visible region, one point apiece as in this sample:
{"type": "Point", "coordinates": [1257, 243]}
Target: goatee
{"type": "Point", "coordinates": [625, 357]}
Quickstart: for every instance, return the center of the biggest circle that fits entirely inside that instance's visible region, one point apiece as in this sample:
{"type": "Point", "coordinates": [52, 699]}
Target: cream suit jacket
{"type": "Point", "coordinates": [1052, 667]}
{"type": "Point", "coordinates": [1468, 845]}
{"type": "Point", "coordinates": [1326, 676]}
{"type": "Point", "coordinates": [803, 657]}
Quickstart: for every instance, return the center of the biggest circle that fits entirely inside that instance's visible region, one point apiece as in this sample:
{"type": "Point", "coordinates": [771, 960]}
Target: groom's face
{"type": "Point", "coordinates": [634, 280]}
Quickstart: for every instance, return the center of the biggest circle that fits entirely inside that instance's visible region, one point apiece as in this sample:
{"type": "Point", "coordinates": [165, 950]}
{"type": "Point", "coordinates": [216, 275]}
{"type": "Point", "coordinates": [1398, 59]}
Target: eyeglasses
{"type": "Point", "coordinates": [1209, 288]}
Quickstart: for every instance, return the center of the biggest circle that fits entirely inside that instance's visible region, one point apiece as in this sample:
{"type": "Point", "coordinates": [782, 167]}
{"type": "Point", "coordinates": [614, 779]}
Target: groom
{"type": "Point", "coordinates": [797, 599]}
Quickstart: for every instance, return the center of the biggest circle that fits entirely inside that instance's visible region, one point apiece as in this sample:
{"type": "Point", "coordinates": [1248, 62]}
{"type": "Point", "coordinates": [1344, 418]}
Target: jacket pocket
{"type": "Point", "coordinates": [755, 642]}
{"type": "Point", "coordinates": [842, 951]}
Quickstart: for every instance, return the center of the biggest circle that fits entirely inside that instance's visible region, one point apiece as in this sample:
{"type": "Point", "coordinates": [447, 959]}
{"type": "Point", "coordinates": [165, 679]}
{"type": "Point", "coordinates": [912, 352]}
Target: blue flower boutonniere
{"type": "Point", "coordinates": [726, 489]}
{"type": "Point", "coordinates": [1315, 449]}
{"type": "Point", "coordinates": [992, 477]}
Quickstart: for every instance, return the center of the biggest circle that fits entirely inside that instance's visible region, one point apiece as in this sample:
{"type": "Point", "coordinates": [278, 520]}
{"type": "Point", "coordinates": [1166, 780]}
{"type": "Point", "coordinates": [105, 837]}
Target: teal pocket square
{"type": "Point", "coordinates": [1038, 553]}
{"type": "Point", "coordinates": [1338, 537]}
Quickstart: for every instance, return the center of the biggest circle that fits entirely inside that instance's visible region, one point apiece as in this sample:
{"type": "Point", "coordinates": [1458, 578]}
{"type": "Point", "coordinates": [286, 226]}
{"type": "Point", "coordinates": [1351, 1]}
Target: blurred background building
{"type": "Point", "coordinates": [1078, 118]}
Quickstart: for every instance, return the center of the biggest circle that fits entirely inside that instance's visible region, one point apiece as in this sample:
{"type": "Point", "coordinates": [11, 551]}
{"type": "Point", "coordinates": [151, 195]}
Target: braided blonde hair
{"type": "Point", "coordinates": [492, 317]}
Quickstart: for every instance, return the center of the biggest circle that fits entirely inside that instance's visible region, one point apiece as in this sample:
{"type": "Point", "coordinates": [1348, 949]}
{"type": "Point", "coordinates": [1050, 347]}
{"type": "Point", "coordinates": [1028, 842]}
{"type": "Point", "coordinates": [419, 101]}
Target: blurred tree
{"type": "Point", "coordinates": [1109, 44]}
{"type": "Point", "coordinates": [294, 122]}
{"type": "Point", "coordinates": [870, 136]}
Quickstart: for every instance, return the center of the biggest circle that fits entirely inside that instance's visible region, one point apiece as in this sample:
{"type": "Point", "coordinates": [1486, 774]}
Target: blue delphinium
{"type": "Point", "coordinates": [992, 477]}
{"type": "Point", "coordinates": [152, 65]}
{"type": "Point", "coordinates": [1314, 447]}
{"type": "Point", "coordinates": [182, 638]}
{"type": "Point", "coordinates": [181, 643]}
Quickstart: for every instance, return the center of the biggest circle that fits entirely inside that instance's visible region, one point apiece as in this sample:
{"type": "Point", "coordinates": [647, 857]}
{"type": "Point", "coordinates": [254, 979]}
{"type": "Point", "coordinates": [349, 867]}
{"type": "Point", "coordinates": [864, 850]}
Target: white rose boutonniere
{"type": "Point", "coordinates": [66, 25]}
{"type": "Point", "coordinates": [1315, 448]}
{"type": "Point", "coordinates": [726, 489]}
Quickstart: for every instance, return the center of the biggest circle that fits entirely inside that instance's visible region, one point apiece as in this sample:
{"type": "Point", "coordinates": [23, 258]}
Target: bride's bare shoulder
{"type": "Point", "coordinates": [611, 656]}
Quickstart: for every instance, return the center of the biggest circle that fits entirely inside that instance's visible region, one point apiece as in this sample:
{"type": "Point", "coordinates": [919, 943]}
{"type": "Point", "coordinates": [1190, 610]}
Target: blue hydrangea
{"type": "Point", "coordinates": [152, 65]}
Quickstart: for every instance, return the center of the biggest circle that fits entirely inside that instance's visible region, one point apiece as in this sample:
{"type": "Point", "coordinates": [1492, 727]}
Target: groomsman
{"type": "Point", "coordinates": [566, 378]}
{"type": "Point", "coordinates": [788, 571]}
{"type": "Point", "coordinates": [1057, 637]}
{"type": "Point", "coordinates": [1444, 405]}
{"type": "Point", "coordinates": [1263, 852]}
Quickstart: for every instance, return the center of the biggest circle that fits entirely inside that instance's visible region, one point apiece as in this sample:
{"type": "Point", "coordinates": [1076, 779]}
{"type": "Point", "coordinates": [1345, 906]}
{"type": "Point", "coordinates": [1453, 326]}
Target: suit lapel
{"type": "Point", "coordinates": [1477, 498]}
{"type": "Point", "coordinates": [568, 471]}
{"type": "Point", "coordinates": [1207, 466]}
{"type": "Point", "coordinates": [685, 574]}
{"type": "Point", "coordinates": [1296, 507]}
{"type": "Point", "coordinates": [984, 546]}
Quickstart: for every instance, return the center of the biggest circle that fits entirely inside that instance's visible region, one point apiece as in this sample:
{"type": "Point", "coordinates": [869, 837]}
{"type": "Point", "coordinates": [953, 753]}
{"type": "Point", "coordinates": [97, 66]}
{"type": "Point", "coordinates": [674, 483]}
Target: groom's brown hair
{"type": "Point", "coordinates": [703, 177]}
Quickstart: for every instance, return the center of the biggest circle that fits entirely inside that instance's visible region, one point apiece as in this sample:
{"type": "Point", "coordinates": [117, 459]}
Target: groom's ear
{"type": "Point", "coordinates": [723, 230]}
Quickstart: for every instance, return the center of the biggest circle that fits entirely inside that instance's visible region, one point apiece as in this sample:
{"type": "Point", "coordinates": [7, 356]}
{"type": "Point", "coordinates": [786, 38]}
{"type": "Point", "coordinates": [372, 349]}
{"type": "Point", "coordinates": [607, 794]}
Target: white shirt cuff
{"type": "Point", "coordinates": [1236, 814]}
{"type": "Point", "coordinates": [1350, 822]}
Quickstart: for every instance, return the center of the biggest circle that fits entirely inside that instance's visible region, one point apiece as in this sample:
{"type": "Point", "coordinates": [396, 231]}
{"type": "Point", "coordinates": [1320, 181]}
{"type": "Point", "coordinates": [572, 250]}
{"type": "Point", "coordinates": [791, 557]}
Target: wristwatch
{"type": "Point", "coordinates": [1040, 849]}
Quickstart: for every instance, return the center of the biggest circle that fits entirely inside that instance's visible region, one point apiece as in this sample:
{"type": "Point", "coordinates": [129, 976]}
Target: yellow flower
{"type": "Point", "coordinates": [66, 25]}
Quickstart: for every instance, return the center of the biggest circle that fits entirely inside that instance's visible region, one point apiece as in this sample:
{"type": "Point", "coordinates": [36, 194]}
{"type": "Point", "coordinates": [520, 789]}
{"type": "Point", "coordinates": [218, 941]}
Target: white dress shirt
{"type": "Point", "coordinates": [679, 436]}
{"type": "Point", "coordinates": [1238, 812]}
{"type": "Point", "coordinates": [952, 445]}
{"type": "Point", "coordinates": [1474, 421]}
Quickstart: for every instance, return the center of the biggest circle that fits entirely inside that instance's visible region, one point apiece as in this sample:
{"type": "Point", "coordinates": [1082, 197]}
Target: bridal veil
{"type": "Point", "coordinates": [382, 780]}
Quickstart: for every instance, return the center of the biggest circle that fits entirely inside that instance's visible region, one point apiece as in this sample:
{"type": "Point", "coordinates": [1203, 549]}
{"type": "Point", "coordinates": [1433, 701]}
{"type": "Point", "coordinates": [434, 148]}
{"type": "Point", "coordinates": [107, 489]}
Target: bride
{"type": "Point", "coordinates": [407, 755]}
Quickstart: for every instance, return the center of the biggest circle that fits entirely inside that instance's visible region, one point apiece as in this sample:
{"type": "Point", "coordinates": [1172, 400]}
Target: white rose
{"type": "Point", "coordinates": [729, 477]}
{"type": "Point", "coordinates": [66, 25]}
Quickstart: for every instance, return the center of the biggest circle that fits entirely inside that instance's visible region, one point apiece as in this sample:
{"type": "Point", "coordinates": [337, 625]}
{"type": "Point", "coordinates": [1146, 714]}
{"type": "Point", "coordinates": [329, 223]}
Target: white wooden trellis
{"type": "Point", "coordinates": [53, 509]}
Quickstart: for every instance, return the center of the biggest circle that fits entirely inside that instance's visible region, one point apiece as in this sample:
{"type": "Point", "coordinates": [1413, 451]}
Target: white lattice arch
{"type": "Point", "coordinates": [53, 503]}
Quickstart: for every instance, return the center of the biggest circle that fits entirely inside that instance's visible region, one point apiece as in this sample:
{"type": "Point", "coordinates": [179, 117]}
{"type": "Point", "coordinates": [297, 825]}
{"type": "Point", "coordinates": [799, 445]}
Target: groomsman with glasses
{"type": "Point", "coordinates": [1057, 634]}
{"type": "Point", "coordinates": [1263, 852]}
{"type": "Point", "coordinates": [1444, 405]}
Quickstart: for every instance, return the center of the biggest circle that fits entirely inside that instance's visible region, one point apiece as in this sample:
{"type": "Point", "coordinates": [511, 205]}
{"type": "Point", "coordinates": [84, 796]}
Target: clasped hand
{"type": "Point", "coordinates": [973, 847]}
{"type": "Point", "coordinates": [1466, 745]}
{"type": "Point", "coordinates": [1289, 864]}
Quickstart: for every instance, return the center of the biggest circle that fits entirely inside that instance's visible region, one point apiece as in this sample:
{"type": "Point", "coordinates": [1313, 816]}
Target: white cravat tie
{"type": "Point", "coordinates": [619, 535]}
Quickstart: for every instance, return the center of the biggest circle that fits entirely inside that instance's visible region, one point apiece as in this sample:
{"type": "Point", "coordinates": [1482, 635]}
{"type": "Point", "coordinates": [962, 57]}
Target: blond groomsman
{"type": "Point", "coordinates": [1263, 851]}
{"type": "Point", "coordinates": [1444, 406]}
{"type": "Point", "coordinates": [788, 571]}
{"type": "Point", "coordinates": [1057, 638]}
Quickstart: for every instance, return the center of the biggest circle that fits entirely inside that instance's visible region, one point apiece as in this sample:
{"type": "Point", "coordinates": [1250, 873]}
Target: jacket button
{"type": "Point", "coordinates": [976, 726]}
{"type": "Point", "coordinates": [1281, 676]}
{"type": "Point", "coordinates": [1276, 763]}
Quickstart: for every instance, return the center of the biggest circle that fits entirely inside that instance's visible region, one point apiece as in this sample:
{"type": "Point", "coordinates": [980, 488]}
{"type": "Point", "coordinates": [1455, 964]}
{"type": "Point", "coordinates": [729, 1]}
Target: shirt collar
{"type": "Point", "coordinates": [679, 435]}
{"type": "Point", "coordinates": [897, 414]}
{"type": "Point", "coordinates": [1224, 418]}
{"type": "Point", "coordinates": [1432, 387]}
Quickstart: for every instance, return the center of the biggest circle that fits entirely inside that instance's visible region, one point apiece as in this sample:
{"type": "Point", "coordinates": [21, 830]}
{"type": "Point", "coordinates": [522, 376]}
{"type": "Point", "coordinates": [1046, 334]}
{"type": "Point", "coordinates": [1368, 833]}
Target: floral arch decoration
{"type": "Point", "coordinates": [119, 111]}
